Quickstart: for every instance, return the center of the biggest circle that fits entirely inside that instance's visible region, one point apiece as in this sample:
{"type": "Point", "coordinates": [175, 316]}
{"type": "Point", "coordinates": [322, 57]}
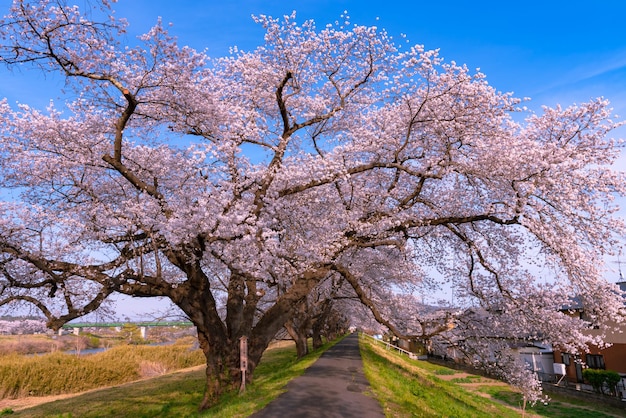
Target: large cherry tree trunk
{"type": "Point", "coordinates": [219, 338]}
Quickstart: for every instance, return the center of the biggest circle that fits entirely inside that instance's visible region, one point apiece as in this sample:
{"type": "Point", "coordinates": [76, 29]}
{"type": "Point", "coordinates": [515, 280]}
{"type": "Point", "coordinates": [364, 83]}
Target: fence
{"type": "Point", "coordinates": [577, 392]}
{"type": "Point", "coordinates": [390, 346]}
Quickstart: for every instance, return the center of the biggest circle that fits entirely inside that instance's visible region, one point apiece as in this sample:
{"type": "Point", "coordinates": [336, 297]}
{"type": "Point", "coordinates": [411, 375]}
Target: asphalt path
{"type": "Point", "coordinates": [334, 386]}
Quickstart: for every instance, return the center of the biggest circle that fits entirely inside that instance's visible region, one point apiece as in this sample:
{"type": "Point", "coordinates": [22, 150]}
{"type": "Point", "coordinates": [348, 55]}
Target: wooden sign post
{"type": "Point", "coordinates": [243, 361]}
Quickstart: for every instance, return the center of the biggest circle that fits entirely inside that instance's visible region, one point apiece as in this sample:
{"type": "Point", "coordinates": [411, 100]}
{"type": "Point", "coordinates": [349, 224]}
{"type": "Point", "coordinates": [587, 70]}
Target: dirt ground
{"type": "Point", "coordinates": [23, 403]}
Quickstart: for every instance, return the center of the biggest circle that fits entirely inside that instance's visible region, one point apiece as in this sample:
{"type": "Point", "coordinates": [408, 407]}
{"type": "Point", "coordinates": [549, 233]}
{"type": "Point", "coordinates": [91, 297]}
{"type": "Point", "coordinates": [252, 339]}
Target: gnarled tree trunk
{"type": "Point", "coordinates": [299, 334]}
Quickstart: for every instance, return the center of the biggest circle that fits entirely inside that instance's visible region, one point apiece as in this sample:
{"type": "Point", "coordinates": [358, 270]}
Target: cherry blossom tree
{"type": "Point", "coordinates": [235, 186]}
{"type": "Point", "coordinates": [22, 326]}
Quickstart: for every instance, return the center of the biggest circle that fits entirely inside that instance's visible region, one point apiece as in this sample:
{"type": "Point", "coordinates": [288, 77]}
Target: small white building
{"type": "Point", "coordinates": [538, 358]}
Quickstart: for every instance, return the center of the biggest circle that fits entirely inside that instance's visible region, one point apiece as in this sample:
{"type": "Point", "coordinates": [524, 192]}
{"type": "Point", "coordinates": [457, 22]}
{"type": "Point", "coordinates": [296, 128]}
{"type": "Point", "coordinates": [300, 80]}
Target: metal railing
{"type": "Point", "coordinates": [390, 346]}
{"type": "Point", "coordinates": [121, 324]}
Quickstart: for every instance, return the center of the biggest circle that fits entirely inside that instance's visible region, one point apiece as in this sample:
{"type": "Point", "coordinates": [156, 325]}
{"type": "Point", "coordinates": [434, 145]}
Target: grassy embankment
{"type": "Point", "coordinates": [406, 388]}
{"type": "Point", "coordinates": [413, 388]}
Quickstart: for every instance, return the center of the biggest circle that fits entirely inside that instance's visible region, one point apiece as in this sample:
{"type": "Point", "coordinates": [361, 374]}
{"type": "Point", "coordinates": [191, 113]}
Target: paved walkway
{"type": "Point", "coordinates": [334, 386]}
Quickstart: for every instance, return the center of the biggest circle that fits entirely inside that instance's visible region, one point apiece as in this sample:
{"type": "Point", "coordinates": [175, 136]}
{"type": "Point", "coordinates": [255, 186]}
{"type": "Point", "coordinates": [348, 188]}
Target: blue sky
{"type": "Point", "coordinates": [551, 51]}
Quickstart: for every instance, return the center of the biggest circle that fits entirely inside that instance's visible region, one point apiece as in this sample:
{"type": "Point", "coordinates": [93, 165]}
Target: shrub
{"type": "Point", "coordinates": [599, 379]}
{"type": "Point", "coordinates": [612, 379]}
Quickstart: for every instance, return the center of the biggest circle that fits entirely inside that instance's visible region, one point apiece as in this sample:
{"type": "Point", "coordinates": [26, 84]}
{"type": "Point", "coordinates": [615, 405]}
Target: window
{"type": "Point", "coordinates": [566, 358]}
{"type": "Point", "coordinates": [595, 361]}
{"type": "Point", "coordinates": [591, 323]}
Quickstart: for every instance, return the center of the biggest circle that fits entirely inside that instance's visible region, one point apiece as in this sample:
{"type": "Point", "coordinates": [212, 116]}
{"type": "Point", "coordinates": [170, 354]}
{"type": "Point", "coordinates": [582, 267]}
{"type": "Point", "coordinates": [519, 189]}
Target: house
{"type": "Point", "coordinates": [539, 358]}
{"type": "Point", "coordinates": [610, 358]}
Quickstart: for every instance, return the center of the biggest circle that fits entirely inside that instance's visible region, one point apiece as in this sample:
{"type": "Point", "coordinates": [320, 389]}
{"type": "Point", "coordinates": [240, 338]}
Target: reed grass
{"type": "Point", "coordinates": [60, 373]}
{"type": "Point", "coordinates": [19, 344]}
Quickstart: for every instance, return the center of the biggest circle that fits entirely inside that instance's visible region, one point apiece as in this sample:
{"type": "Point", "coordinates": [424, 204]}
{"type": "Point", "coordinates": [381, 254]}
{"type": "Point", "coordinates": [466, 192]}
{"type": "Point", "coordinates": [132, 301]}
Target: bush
{"type": "Point", "coordinates": [599, 379]}
{"type": "Point", "coordinates": [612, 379]}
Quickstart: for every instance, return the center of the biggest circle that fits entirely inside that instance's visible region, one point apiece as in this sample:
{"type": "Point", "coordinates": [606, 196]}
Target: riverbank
{"type": "Point", "coordinates": [60, 373]}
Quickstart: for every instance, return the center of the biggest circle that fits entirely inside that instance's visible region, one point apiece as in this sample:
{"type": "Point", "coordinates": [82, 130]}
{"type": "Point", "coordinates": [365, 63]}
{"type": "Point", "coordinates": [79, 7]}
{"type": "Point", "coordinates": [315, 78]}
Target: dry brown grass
{"type": "Point", "coordinates": [149, 368]}
{"type": "Point", "coordinates": [59, 373]}
{"type": "Point", "coordinates": [29, 344]}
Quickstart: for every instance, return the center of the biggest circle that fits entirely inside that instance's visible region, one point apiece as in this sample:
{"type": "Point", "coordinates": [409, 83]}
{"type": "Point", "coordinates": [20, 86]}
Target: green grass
{"type": "Point", "coordinates": [467, 379]}
{"type": "Point", "coordinates": [444, 372]}
{"type": "Point", "coordinates": [558, 407]}
{"type": "Point", "coordinates": [410, 388]}
{"type": "Point", "coordinates": [170, 395]}
{"type": "Point", "coordinates": [179, 394]}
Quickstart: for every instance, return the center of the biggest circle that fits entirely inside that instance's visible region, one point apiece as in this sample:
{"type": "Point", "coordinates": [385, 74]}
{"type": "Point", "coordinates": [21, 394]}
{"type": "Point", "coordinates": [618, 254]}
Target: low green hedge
{"type": "Point", "coordinates": [599, 379]}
